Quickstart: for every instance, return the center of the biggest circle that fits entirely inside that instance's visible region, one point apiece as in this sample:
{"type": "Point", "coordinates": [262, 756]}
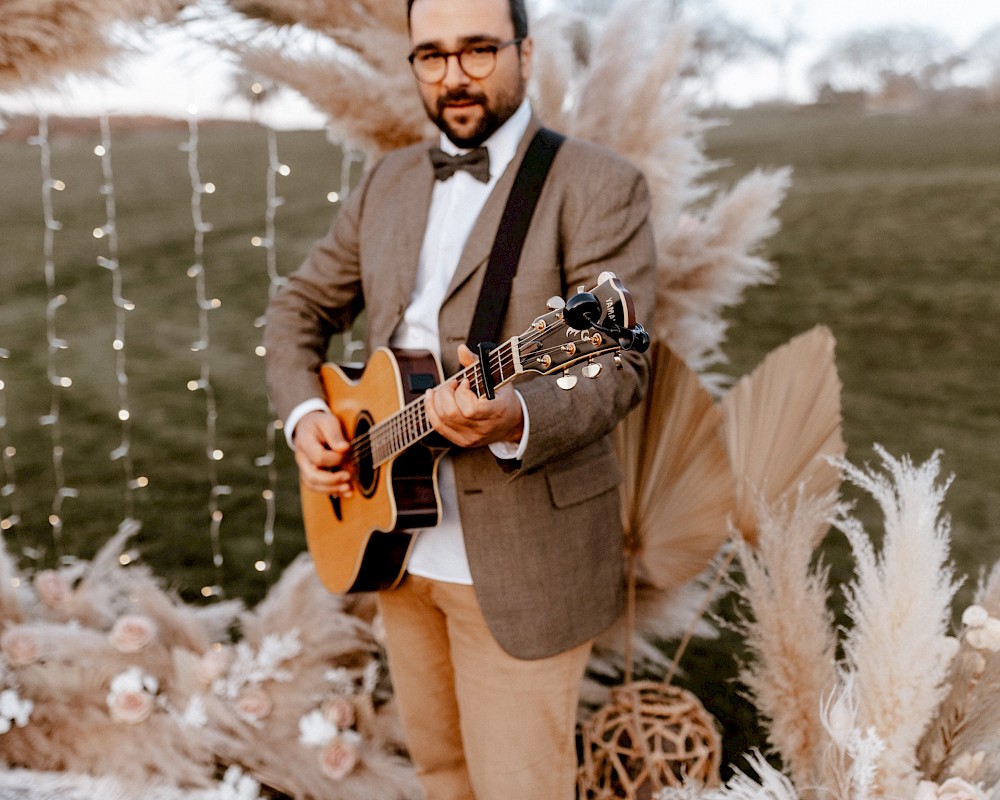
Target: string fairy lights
{"type": "Point", "coordinates": [55, 301]}
{"type": "Point", "coordinates": [8, 492]}
{"type": "Point", "coordinates": [204, 382]}
{"type": "Point", "coordinates": [275, 282]}
{"type": "Point", "coordinates": [109, 231]}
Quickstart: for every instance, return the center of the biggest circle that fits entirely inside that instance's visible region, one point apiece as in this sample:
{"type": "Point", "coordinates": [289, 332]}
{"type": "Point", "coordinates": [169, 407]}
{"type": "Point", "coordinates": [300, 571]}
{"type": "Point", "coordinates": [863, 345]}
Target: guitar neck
{"type": "Point", "coordinates": [409, 425]}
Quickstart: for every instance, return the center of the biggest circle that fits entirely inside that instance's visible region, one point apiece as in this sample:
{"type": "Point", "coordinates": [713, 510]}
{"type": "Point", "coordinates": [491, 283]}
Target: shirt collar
{"type": "Point", "coordinates": [502, 145]}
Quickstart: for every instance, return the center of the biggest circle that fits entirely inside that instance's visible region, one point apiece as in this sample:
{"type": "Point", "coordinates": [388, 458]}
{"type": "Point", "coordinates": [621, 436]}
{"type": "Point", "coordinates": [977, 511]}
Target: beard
{"type": "Point", "coordinates": [491, 114]}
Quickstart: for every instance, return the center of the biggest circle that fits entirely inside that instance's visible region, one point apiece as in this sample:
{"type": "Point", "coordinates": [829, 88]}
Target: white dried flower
{"type": "Point", "coordinates": [975, 616]}
{"type": "Point", "coordinates": [14, 710]}
{"type": "Point", "coordinates": [986, 637]}
{"type": "Point", "coordinates": [315, 729]}
{"type": "Point", "coordinates": [194, 715]}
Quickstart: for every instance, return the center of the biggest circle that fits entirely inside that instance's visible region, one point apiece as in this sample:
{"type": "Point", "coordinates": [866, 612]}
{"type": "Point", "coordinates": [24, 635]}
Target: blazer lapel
{"type": "Point", "coordinates": [408, 220]}
{"type": "Point", "coordinates": [480, 243]}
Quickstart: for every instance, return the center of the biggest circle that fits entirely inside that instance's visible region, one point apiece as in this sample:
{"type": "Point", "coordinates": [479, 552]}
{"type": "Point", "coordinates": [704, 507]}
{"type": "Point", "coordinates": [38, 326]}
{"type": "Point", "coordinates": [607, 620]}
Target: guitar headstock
{"type": "Point", "coordinates": [586, 325]}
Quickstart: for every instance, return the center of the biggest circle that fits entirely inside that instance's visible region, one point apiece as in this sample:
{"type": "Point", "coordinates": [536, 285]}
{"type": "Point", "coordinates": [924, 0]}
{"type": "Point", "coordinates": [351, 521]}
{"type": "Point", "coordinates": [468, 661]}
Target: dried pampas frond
{"type": "Point", "coordinates": [850, 765]}
{"type": "Point", "coordinates": [783, 425]}
{"type": "Point", "coordinates": [900, 603]}
{"type": "Point", "coordinates": [963, 740]}
{"type": "Point", "coordinates": [368, 110]}
{"type": "Point", "coordinates": [562, 50]}
{"type": "Point", "coordinates": [707, 263]}
{"type": "Point", "coordinates": [301, 651]}
{"type": "Point", "coordinates": [355, 70]}
{"type": "Point", "coordinates": [329, 17]}
{"type": "Point", "coordinates": [792, 652]}
{"type": "Point", "coordinates": [770, 784]}
{"type": "Point", "coordinates": [43, 41]}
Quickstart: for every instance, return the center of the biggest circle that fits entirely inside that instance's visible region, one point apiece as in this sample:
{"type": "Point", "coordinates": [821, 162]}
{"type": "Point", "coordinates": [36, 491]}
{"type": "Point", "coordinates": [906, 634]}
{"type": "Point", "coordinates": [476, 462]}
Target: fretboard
{"type": "Point", "coordinates": [409, 425]}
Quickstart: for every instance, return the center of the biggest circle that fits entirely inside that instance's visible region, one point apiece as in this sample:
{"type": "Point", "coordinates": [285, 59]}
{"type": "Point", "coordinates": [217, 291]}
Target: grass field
{"type": "Point", "coordinates": [890, 235]}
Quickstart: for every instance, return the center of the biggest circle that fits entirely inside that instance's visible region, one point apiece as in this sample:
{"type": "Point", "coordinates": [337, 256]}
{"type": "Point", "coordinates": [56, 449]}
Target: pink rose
{"type": "Point", "coordinates": [338, 759]}
{"type": "Point", "coordinates": [20, 647]}
{"type": "Point", "coordinates": [131, 633]}
{"type": "Point", "coordinates": [339, 712]}
{"type": "Point", "coordinates": [253, 704]}
{"type": "Point", "coordinates": [130, 707]}
{"type": "Point", "coordinates": [52, 587]}
{"type": "Point", "coordinates": [214, 663]}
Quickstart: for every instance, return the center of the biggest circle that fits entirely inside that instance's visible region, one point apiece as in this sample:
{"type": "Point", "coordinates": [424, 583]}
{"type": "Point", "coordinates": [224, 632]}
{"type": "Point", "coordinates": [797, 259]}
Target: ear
{"type": "Point", "coordinates": [527, 49]}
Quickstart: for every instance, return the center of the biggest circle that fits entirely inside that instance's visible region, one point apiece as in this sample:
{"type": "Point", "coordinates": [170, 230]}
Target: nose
{"type": "Point", "coordinates": [454, 75]}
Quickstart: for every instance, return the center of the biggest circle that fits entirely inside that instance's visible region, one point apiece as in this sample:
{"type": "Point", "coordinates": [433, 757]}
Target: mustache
{"type": "Point", "coordinates": [459, 96]}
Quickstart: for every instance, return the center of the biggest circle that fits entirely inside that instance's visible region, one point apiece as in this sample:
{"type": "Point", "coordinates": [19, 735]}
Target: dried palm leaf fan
{"type": "Point", "coordinates": [676, 498]}
{"type": "Point", "coordinates": [780, 426]}
{"type": "Point", "coordinates": [783, 424]}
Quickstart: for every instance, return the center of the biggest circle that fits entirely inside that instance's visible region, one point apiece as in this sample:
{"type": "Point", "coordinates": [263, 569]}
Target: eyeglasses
{"type": "Point", "coordinates": [476, 60]}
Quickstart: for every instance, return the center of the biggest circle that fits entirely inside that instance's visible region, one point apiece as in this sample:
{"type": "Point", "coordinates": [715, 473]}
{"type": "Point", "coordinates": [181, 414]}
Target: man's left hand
{"type": "Point", "coordinates": [463, 418]}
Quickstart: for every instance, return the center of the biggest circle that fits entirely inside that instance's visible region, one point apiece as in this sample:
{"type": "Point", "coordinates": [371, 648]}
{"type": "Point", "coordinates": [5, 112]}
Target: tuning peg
{"type": "Point", "coordinates": [618, 361]}
{"type": "Point", "coordinates": [566, 381]}
{"type": "Point", "coordinates": [592, 369]}
{"type": "Point", "coordinates": [555, 303]}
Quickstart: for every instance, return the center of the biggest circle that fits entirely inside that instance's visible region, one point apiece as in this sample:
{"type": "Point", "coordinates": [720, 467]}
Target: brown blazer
{"type": "Point", "coordinates": [544, 541]}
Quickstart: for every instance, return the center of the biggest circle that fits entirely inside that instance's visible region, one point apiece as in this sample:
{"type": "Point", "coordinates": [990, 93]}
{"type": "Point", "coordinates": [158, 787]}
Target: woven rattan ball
{"type": "Point", "coordinates": [649, 736]}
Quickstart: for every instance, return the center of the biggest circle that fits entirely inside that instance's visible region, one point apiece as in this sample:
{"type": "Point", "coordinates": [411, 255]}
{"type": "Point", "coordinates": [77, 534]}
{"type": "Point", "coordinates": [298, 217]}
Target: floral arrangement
{"type": "Point", "coordinates": [910, 710]}
{"type": "Point", "coordinates": [105, 673]}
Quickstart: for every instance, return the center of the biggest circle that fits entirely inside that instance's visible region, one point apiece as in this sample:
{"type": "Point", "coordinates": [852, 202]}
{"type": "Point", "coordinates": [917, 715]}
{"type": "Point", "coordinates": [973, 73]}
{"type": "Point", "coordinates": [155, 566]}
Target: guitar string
{"type": "Point", "coordinates": [410, 422]}
{"type": "Point", "coordinates": [413, 413]}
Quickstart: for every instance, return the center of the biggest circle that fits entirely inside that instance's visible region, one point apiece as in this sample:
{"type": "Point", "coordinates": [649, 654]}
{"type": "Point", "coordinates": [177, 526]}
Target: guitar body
{"type": "Point", "coordinates": [361, 543]}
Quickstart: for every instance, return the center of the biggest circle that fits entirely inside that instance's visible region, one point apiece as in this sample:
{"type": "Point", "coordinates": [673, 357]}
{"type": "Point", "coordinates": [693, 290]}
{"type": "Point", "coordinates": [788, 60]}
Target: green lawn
{"type": "Point", "coordinates": [890, 235]}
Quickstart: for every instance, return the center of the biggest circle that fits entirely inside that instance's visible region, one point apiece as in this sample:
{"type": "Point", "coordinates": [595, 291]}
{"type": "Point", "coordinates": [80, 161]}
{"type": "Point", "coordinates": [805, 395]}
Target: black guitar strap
{"type": "Point", "coordinates": [510, 238]}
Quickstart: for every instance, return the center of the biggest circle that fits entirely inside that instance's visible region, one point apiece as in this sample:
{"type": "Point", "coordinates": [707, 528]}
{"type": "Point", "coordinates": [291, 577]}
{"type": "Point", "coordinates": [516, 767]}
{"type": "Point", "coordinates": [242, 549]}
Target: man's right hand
{"type": "Point", "coordinates": [320, 447]}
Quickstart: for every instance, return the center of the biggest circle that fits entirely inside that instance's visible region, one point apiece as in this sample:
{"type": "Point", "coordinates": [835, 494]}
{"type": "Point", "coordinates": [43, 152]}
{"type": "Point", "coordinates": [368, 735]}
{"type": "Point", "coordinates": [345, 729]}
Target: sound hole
{"type": "Point", "coordinates": [366, 473]}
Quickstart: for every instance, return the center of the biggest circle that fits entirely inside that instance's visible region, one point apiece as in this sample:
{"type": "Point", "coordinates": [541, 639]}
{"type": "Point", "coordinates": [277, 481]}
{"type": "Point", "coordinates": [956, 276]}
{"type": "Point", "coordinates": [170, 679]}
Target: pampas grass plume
{"type": "Point", "coordinates": [900, 600]}
{"type": "Point", "coordinates": [792, 653]}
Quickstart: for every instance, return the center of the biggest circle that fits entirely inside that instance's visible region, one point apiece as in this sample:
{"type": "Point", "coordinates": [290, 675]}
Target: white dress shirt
{"type": "Point", "coordinates": [456, 203]}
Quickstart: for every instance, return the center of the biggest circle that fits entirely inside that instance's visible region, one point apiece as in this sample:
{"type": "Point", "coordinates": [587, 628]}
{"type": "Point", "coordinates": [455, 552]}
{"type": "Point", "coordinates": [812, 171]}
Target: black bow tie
{"type": "Point", "coordinates": [475, 162]}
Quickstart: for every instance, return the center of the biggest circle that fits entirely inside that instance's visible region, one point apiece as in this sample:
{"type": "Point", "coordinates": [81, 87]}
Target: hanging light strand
{"type": "Point", "coordinates": [109, 231]}
{"type": "Point", "coordinates": [204, 383]}
{"type": "Point", "coordinates": [57, 382]}
{"type": "Point", "coordinates": [8, 492]}
{"type": "Point", "coordinates": [275, 281]}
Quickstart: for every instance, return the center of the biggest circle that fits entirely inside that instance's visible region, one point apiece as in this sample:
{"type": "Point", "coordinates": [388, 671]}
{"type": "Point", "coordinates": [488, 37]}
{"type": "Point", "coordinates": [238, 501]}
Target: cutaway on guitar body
{"type": "Point", "coordinates": [361, 543]}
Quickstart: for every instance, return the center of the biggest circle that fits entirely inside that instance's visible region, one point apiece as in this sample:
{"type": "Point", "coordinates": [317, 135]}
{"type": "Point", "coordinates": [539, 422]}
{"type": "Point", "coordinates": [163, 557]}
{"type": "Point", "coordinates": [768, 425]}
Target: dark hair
{"type": "Point", "coordinates": [518, 15]}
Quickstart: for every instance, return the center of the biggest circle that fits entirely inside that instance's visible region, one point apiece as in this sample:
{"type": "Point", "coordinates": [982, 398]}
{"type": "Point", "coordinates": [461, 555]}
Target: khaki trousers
{"type": "Point", "coordinates": [479, 723]}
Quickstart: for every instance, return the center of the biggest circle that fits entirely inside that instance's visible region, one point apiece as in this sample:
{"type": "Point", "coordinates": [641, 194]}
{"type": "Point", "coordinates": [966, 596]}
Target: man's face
{"type": "Point", "coordinates": [467, 110]}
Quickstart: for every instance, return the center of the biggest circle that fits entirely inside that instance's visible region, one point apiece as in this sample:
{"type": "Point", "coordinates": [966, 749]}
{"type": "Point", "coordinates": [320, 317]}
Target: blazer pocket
{"type": "Point", "coordinates": [583, 478]}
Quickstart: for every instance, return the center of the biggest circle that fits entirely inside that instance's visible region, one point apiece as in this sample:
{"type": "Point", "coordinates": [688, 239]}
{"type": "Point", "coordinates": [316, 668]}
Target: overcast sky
{"type": "Point", "coordinates": [176, 77]}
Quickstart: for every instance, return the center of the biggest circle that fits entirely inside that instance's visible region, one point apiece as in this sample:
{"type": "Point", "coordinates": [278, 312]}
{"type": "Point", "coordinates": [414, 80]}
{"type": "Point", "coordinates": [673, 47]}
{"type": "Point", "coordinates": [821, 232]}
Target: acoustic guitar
{"type": "Point", "coordinates": [361, 543]}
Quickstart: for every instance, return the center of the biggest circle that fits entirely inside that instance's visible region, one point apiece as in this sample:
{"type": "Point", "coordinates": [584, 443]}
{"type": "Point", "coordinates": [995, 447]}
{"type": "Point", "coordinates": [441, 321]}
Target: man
{"type": "Point", "coordinates": [489, 634]}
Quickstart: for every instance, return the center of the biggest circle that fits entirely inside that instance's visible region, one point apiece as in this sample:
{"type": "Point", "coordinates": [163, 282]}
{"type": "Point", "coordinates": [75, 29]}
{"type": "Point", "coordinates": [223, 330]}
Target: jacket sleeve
{"type": "Point", "coordinates": [321, 298]}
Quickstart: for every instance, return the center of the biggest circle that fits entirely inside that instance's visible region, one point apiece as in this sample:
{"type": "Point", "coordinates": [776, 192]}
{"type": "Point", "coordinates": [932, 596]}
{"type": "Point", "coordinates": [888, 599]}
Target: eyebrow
{"type": "Point", "coordinates": [477, 38]}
